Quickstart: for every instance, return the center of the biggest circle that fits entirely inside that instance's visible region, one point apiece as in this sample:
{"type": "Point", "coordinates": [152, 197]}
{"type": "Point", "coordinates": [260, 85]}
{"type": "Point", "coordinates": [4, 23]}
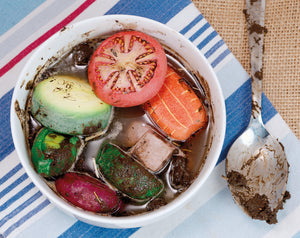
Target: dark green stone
{"type": "Point", "coordinates": [53, 154]}
{"type": "Point", "coordinates": [127, 175]}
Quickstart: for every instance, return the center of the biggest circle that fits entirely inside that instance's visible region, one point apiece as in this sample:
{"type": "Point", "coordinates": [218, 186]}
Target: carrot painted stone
{"type": "Point", "coordinates": [176, 109]}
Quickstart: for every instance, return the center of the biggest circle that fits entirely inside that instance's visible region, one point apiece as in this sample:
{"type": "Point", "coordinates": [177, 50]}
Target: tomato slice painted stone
{"type": "Point", "coordinates": [127, 69]}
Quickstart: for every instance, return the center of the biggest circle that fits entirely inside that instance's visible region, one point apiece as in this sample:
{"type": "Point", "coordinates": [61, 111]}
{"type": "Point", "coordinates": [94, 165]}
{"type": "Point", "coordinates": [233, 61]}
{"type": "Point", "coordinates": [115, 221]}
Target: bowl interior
{"type": "Point", "coordinates": [63, 41]}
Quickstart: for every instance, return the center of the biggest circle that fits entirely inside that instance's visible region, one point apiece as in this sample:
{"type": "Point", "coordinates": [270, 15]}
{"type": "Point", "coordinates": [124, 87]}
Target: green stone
{"type": "Point", "coordinates": [68, 105]}
{"type": "Point", "coordinates": [127, 175]}
{"type": "Point", "coordinates": [53, 154]}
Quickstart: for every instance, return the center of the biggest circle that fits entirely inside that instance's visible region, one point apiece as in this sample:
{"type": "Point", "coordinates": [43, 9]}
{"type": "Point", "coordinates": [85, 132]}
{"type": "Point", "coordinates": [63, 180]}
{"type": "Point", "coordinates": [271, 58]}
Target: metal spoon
{"type": "Point", "coordinates": [256, 164]}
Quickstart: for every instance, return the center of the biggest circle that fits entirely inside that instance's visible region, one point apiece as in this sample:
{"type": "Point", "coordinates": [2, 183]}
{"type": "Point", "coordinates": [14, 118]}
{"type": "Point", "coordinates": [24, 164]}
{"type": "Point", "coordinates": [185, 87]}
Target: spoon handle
{"type": "Point", "coordinates": [255, 17]}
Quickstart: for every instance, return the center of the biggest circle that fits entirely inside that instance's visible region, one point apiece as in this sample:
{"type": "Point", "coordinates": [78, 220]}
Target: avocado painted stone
{"type": "Point", "coordinates": [68, 105]}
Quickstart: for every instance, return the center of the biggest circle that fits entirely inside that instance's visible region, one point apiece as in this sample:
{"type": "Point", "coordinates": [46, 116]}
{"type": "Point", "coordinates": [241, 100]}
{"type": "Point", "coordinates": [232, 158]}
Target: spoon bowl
{"type": "Point", "coordinates": [257, 172]}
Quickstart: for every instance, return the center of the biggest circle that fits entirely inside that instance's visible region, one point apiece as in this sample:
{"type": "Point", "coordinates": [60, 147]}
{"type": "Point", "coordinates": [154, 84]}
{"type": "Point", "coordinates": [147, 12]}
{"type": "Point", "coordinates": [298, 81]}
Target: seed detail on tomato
{"type": "Point", "coordinates": [127, 69]}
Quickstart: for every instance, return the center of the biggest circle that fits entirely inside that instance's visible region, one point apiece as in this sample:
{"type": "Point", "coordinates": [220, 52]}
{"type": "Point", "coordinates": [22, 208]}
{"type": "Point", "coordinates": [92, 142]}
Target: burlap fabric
{"type": "Point", "coordinates": [281, 81]}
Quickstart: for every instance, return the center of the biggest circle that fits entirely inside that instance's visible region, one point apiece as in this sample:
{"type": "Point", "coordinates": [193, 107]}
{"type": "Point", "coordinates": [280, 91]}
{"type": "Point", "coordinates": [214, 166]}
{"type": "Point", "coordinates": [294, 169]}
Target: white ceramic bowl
{"type": "Point", "coordinates": [90, 28]}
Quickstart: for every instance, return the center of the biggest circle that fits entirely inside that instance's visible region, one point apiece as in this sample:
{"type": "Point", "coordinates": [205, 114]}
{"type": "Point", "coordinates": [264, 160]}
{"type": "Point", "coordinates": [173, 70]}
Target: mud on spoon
{"type": "Point", "coordinates": [256, 164]}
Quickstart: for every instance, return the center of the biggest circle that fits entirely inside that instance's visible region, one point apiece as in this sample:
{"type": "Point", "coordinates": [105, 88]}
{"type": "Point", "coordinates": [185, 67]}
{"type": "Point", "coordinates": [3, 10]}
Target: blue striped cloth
{"type": "Point", "coordinates": [25, 212]}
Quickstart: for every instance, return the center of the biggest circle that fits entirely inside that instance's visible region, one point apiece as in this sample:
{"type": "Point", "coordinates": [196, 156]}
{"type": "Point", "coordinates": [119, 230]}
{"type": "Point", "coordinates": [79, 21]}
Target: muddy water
{"type": "Point", "coordinates": [75, 63]}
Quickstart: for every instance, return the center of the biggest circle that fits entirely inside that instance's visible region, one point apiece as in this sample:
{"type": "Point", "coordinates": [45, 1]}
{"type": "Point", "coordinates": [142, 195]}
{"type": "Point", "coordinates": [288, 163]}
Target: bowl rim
{"type": "Point", "coordinates": [110, 221]}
